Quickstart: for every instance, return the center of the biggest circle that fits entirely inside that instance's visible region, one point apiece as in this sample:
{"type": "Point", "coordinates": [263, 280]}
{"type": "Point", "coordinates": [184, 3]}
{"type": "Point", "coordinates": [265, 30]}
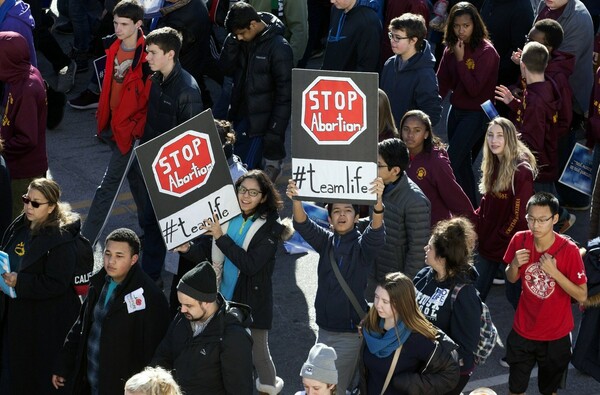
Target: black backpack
{"type": "Point", "coordinates": [84, 265]}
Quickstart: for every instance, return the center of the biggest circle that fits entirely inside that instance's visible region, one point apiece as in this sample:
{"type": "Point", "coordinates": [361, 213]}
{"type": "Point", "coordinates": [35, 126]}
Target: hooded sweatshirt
{"type": "Point", "coordinates": [560, 67]}
{"type": "Point", "coordinates": [18, 19]}
{"type": "Point", "coordinates": [353, 41]}
{"type": "Point", "coordinates": [536, 118]}
{"type": "Point", "coordinates": [412, 85]}
{"type": "Point", "coordinates": [23, 126]}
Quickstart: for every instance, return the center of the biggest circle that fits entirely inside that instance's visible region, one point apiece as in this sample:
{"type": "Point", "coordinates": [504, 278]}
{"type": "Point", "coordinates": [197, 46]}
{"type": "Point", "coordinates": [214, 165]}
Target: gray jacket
{"type": "Point", "coordinates": [407, 224]}
{"type": "Point", "coordinates": [579, 41]}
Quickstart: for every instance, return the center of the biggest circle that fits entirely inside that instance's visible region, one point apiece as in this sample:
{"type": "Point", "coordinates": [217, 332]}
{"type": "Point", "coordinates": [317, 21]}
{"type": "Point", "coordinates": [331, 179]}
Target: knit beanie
{"type": "Point", "coordinates": [320, 364]}
{"type": "Point", "coordinates": [200, 283]}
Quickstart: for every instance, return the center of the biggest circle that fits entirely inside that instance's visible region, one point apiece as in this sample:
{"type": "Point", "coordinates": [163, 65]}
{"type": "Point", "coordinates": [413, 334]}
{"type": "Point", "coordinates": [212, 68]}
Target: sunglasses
{"type": "Point", "coordinates": [34, 204]}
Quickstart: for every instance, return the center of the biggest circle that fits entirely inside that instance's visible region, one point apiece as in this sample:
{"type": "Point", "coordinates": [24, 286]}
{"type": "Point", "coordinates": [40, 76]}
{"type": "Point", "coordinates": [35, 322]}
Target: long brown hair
{"type": "Point", "coordinates": [386, 119]}
{"type": "Point", "coordinates": [454, 240]}
{"type": "Point", "coordinates": [404, 303]}
{"type": "Point", "coordinates": [515, 152]}
{"type": "Point", "coordinates": [273, 202]}
{"type": "Point", "coordinates": [480, 31]}
{"type": "Point", "coordinates": [62, 214]}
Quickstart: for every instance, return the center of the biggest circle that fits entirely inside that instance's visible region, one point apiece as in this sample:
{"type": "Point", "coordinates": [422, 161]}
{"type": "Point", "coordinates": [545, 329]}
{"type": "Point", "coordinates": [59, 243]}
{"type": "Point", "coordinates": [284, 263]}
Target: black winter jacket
{"type": "Point", "coordinates": [39, 318]}
{"type": "Point", "coordinates": [128, 340]}
{"type": "Point", "coordinates": [254, 286]}
{"type": "Point", "coordinates": [218, 361]}
{"type": "Point", "coordinates": [172, 101]}
{"type": "Point", "coordinates": [262, 78]}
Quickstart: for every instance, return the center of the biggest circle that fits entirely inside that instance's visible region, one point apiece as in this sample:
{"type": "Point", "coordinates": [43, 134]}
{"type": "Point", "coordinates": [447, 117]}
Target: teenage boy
{"type": "Point", "coordinates": [174, 98]}
{"type": "Point", "coordinates": [536, 116]}
{"type": "Point", "coordinates": [552, 272]}
{"type": "Point", "coordinates": [121, 111]}
{"type": "Point", "coordinates": [122, 321]}
{"type": "Point", "coordinates": [260, 61]}
{"type": "Point", "coordinates": [353, 253]}
{"type": "Point", "coordinates": [408, 77]}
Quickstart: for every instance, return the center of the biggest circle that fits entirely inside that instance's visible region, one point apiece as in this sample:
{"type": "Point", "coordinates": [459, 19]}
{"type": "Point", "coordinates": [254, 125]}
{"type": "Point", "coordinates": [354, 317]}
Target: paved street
{"type": "Point", "coordinates": [77, 162]}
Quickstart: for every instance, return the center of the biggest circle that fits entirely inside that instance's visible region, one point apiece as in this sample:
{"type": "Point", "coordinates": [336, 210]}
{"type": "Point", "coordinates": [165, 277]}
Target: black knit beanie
{"type": "Point", "coordinates": [200, 283]}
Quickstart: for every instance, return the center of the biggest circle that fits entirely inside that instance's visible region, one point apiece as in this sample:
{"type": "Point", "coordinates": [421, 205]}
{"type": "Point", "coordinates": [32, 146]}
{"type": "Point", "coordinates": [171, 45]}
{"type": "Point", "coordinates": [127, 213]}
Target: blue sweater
{"type": "Point", "coordinates": [353, 253]}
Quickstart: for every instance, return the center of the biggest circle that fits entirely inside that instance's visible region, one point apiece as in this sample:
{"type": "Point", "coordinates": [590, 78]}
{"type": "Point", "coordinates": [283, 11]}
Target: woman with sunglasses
{"type": "Point", "coordinates": [243, 254]}
{"type": "Point", "coordinates": [41, 247]}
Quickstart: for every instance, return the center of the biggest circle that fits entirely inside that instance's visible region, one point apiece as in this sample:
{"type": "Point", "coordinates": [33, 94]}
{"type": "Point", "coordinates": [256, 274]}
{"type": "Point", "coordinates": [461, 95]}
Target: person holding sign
{"type": "Point", "coordinates": [344, 265]}
{"type": "Point", "coordinates": [40, 245]}
{"type": "Point", "coordinates": [243, 254]}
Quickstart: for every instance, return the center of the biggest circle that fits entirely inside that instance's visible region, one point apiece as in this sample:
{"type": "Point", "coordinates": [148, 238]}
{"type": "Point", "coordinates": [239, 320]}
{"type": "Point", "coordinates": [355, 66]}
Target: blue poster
{"type": "Point", "coordinates": [578, 171]}
{"type": "Point", "coordinates": [5, 268]}
{"type": "Point", "coordinates": [100, 67]}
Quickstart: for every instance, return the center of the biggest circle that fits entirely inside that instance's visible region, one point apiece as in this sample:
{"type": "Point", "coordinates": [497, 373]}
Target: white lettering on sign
{"type": "Point", "coordinates": [341, 100]}
{"type": "Point", "coordinates": [188, 152]}
{"type": "Point", "coordinates": [175, 180]}
{"type": "Point", "coordinates": [339, 126]}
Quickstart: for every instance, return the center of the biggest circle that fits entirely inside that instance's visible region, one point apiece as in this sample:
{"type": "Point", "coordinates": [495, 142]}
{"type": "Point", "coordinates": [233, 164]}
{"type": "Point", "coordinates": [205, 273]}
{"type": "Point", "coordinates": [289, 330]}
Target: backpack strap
{"type": "Point", "coordinates": [454, 294]}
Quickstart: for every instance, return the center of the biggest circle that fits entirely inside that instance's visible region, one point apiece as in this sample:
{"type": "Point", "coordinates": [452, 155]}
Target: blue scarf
{"type": "Point", "coordinates": [383, 345]}
{"type": "Point", "coordinates": [4, 8]}
{"type": "Point", "coordinates": [237, 230]}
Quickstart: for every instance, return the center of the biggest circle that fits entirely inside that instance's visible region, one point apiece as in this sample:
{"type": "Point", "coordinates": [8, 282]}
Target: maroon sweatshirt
{"type": "Point", "coordinates": [23, 126]}
{"type": "Point", "coordinates": [536, 118]}
{"type": "Point", "coordinates": [560, 67]}
{"type": "Point", "coordinates": [471, 81]}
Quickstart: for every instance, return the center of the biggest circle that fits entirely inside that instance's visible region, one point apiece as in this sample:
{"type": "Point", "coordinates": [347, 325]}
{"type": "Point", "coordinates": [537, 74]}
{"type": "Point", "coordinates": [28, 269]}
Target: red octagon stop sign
{"type": "Point", "coordinates": [183, 163]}
{"type": "Point", "coordinates": [334, 110]}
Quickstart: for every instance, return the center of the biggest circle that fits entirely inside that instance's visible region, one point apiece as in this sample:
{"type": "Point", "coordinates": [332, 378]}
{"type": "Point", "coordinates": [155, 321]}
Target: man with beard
{"type": "Point", "coordinates": [207, 346]}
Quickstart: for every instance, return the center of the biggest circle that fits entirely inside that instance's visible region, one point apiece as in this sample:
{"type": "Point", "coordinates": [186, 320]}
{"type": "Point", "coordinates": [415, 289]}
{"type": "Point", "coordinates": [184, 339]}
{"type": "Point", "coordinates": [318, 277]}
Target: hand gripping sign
{"type": "Point", "coordinates": [334, 135]}
{"type": "Point", "coordinates": [188, 179]}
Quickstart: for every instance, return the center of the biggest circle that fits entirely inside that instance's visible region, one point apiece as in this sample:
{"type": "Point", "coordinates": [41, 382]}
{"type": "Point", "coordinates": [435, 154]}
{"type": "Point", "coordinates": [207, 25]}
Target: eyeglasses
{"type": "Point", "coordinates": [34, 204]}
{"type": "Point", "coordinates": [396, 38]}
{"type": "Point", "coordinates": [533, 221]}
{"type": "Point", "coordinates": [252, 192]}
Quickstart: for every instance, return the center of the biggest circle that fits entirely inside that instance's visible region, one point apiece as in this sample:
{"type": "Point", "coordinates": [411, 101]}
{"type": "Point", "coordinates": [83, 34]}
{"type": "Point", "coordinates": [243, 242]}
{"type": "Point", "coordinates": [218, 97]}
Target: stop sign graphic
{"type": "Point", "coordinates": [334, 110]}
{"type": "Point", "coordinates": [183, 163]}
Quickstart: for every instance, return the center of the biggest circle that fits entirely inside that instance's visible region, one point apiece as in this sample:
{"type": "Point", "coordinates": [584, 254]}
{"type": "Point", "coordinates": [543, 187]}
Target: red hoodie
{"type": "Point", "coordinates": [23, 126]}
{"type": "Point", "coordinates": [536, 117]}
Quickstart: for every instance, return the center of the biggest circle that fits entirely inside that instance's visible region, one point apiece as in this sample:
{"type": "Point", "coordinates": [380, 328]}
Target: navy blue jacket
{"type": "Point", "coordinates": [414, 87]}
{"type": "Point", "coordinates": [353, 253]}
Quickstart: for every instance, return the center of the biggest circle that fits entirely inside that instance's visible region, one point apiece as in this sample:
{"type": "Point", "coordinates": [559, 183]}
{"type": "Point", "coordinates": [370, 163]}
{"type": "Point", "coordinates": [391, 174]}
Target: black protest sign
{"type": "Point", "coordinates": [334, 135]}
{"type": "Point", "coordinates": [188, 179]}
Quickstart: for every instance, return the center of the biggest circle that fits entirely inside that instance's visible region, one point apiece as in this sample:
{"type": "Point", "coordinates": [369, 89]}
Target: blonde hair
{"type": "Point", "coordinates": [62, 214]}
{"type": "Point", "coordinates": [386, 119]}
{"type": "Point", "coordinates": [153, 381]}
{"type": "Point", "coordinates": [515, 152]}
{"type": "Point", "coordinates": [403, 300]}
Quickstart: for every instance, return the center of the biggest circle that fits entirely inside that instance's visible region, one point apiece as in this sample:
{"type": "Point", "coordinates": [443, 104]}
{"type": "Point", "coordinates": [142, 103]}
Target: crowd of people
{"type": "Point", "coordinates": [401, 291]}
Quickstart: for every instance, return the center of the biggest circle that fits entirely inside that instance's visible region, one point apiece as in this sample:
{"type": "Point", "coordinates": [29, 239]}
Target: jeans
{"type": "Point", "coordinates": [107, 190]}
{"type": "Point", "coordinates": [465, 129]}
{"type": "Point", "coordinates": [82, 20]}
{"type": "Point", "coordinates": [249, 149]}
{"type": "Point", "coordinates": [487, 271]}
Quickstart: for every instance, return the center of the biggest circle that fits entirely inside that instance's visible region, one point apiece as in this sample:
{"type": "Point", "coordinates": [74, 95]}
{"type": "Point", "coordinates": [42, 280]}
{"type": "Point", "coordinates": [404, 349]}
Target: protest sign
{"type": "Point", "coordinates": [188, 179]}
{"type": "Point", "coordinates": [100, 69]}
{"type": "Point", "coordinates": [578, 171]}
{"type": "Point", "coordinates": [334, 135]}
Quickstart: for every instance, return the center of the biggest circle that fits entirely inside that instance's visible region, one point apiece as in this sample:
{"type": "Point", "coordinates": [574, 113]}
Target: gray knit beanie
{"type": "Point", "coordinates": [320, 364]}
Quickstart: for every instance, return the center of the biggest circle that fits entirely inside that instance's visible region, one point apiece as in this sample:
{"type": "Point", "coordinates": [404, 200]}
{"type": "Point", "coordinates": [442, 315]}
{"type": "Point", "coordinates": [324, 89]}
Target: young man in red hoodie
{"type": "Point", "coordinates": [536, 117]}
{"type": "Point", "coordinates": [24, 112]}
{"type": "Point", "coordinates": [121, 111]}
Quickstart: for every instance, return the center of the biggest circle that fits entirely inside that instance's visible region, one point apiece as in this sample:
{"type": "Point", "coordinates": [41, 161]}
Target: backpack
{"type": "Point", "coordinates": [217, 11]}
{"type": "Point", "coordinates": [84, 265]}
{"type": "Point", "coordinates": [488, 334]}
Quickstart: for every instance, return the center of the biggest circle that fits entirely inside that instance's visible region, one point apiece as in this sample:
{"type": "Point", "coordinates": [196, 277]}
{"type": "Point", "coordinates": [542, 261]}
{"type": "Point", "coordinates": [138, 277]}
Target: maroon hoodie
{"type": "Point", "coordinates": [23, 126]}
{"type": "Point", "coordinates": [536, 117]}
{"type": "Point", "coordinates": [560, 67]}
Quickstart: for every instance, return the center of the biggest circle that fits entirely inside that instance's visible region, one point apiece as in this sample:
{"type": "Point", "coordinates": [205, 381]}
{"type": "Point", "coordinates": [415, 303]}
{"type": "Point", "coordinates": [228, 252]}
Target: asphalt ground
{"type": "Point", "coordinates": [77, 161]}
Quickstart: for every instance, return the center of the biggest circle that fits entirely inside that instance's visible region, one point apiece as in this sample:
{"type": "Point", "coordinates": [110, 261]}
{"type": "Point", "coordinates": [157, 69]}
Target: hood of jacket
{"type": "Point", "coordinates": [421, 60]}
{"type": "Point", "coordinates": [15, 64]}
{"type": "Point", "coordinates": [21, 11]}
{"type": "Point", "coordinates": [561, 63]}
{"type": "Point", "coordinates": [275, 26]}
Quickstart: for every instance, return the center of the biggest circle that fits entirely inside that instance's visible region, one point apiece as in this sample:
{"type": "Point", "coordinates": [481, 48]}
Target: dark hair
{"type": "Point", "coordinates": [544, 199]}
{"type": "Point", "coordinates": [126, 236]}
{"type": "Point", "coordinates": [535, 57]}
{"type": "Point", "coordinates": [131, 9]}
{"type": "Point", "coordinates": [432, 140]}
{"type": "Point", "coordinates": [414, 27]}
{"type": "Point", "coordinates": [167, 39]}
{"type": "Point", "coordinates": [553, 32]}
{"type": "Point", "coordinates": [394, 153]}
{"type": "Point", "coordinates": [480, 31]}
{"type": "Point", "coordinates": [330, 208]}
{"type": "Point", "coordinates": [240, 16]}
{"type": "Point", "coordinates": [62, 214]}
{"type": "Point", "coordinates": [454, 240]}
{"type": "Point", "coordinates": [226, 135]}
{"type": "Point", "coordinates": [273, 203]}
{"type": "Point", "coordinates": [386, 118]}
